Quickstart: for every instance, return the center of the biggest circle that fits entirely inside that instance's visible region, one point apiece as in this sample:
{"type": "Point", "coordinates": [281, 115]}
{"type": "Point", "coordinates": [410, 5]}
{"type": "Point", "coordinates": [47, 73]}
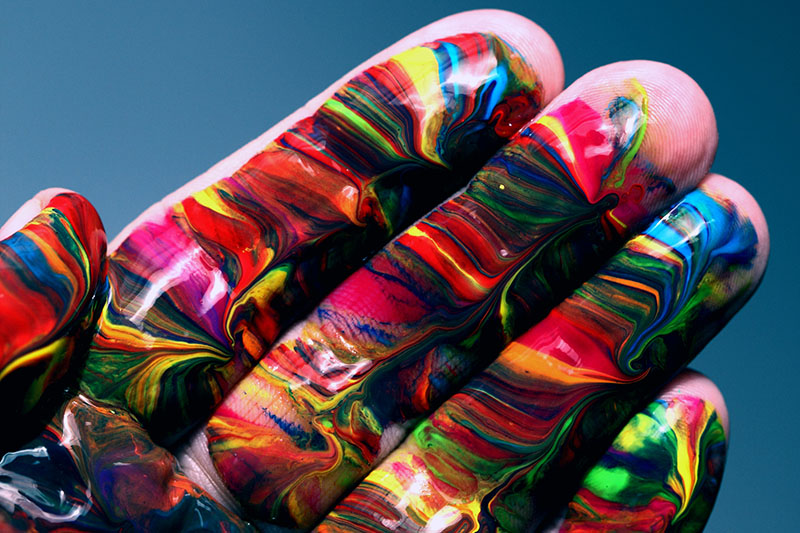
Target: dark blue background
{"type": "Point", "coordinates": [125, 104]}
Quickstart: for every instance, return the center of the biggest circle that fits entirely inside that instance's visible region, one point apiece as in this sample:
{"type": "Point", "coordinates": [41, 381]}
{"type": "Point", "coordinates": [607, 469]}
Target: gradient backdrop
{"type": "Point", "coordinates": [124, 104]}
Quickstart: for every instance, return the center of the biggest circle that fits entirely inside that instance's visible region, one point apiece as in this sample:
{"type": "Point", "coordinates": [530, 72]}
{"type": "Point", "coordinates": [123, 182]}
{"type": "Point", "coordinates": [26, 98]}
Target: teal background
{"type": "Point", "coordinates": [124, 103]}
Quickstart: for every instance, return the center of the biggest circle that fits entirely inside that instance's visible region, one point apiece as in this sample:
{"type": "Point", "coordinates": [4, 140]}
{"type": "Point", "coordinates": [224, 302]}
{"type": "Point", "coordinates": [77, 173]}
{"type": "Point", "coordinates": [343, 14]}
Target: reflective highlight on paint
{"type": "Point", "coordinates": [512, 444]}
{"type": "Point", "coordinates": [95, 469]}
{"type": "Point", "coordinates": [197, 292]}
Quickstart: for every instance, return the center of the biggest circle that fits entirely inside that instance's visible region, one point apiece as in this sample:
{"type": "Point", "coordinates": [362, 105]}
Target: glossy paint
{"type": "Point", "coordinates": [515, 442]}
{"type": "Point", "coordinates": [434, 306]}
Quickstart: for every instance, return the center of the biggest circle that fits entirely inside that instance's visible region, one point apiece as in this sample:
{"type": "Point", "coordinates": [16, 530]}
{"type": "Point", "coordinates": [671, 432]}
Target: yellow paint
{"type": "Point", "coordinates": [365, 129]}
{"type": "Point", "coordinates": [619, 223]}
{"type": "Point", "coordinates": [269, 284]}
{"type": "Point", "coordinates": [416, 232]}
{"type": "Point", "coordinates": [686, 455]}
{"type": "Point", "coordinates": [54, 260]}
{"type": "Point", "coordinates": [554, 125]}
{"type": "Point", "coordinates": [422, 68]}
{"type": "Point", "coordinates": [633, 437]}
{"type": "Point", "coordinates": [520, 358]}
{"type": "Point", "coordinates": [210, 199]}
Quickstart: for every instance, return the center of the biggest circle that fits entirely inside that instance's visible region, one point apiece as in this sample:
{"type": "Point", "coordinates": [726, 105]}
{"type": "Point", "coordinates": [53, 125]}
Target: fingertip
{"type": "Point", "coordinates": [525, 37]}
{"type": "Point", "coordinates": [747, 207]}
{"type": "Point", "coordinates": [696, 385]}
{"type": "Point", "coordinates": [683, 127]}
{"type": "Point", "coordinates": [52, 263]}
{"type": "Point", "coordinates": [529, 39]}
{"type": "Point", "coordinates": [681, 131]}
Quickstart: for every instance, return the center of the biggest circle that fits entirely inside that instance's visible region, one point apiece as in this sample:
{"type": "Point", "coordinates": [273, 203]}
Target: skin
{"type": "Point", "coordinates": [674, 151]}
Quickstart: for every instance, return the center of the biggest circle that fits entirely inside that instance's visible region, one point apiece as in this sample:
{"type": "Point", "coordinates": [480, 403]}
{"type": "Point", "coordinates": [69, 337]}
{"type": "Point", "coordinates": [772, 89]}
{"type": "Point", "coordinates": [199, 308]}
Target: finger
{"type": "Point", "coordinates": [28, 211]}
{"type": "Point", "coordinates": [402, 333]}
{"type": "Point", "coordinates": [511, 445]}
{"type": "Point", "coordinates": [95, 469]}
{"type": "Point", "coordinates": [52, 276]}
{"type": "Point", "coordinates": [530, 42]}
{"type": "Point", "coordinates": [663, 470]}
{"type": "Point", "coordinates": [202, 285]}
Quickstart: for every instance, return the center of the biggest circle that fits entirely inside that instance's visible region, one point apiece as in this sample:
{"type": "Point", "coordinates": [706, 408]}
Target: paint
{"type": "Point", "coordinates": [514, 443]}
{"type": "Point", "coordinates": [434, 306]}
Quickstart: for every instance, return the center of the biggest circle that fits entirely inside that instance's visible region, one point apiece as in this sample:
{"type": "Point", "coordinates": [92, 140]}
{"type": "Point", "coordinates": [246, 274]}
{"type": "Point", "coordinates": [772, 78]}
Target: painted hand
{"type": "Point", "coordinates": [284, 342]}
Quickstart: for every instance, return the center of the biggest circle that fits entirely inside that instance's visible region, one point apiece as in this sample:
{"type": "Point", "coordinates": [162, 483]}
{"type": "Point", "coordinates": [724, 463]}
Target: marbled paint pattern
{"type": "Point", "coordinates": [95, 469]}
{"type": "Point", "coordinates": [401, 334]}
{"type": "Point", "coordinates": [513, 444]}
{"type": "Point", "coordinates": [52, 283]}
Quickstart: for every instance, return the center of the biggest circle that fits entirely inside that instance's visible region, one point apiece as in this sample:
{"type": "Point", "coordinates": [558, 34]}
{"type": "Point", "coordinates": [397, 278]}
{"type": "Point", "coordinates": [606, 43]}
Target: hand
{"type": "Point", "coordinates": [200, 286]}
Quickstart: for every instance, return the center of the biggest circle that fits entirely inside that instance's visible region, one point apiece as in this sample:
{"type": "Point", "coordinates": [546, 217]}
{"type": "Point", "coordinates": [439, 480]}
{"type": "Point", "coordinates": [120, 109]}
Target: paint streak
{"type": "Point", "coordinates": [52, 283]}
{"type": "Point", "coordinates": [514, 443]}
{"type": "Point", "coordinates": [662, 472]}
{"type": "Point", "coordinates": [404, 332]}
{"type": "Point", "coordinates": [95, 469]}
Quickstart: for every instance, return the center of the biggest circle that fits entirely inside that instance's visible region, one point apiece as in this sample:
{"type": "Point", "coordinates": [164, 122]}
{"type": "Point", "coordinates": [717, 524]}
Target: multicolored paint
{"type": "Point", "coordinates": [194, 299]}
{"type": "Point", "coordinates": [198, 296]}
{"type": "Point", "coordinates": [662, 472]}
{"type": "Point", "coordinates": [513, 444]}
{"type": "Point", "coordinates": [96, 469]}
{"type": "Point", "coordinates": [52, 283]}
{"type": "Point", "coordinates": [401, 334]}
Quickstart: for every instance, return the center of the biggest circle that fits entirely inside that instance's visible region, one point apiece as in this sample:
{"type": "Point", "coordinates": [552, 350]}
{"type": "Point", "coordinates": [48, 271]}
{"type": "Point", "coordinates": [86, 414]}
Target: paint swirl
{"type": "Point", "coordinates": [199, 293]}
{"type": "Point", "coordinates": [433, 307]}
{"type": "Point", "coordinates": [95, 469]}
{"type": "Point", "coordinates": [661, 473]}
{"type": "Point", "coordinates": [52, 283]}
{"type": "Point", "coordinates": [514, 443]}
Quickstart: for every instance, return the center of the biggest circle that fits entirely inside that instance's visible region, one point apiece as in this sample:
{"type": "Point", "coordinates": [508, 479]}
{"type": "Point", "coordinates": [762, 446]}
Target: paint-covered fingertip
{"type": "Point", "coordinates": [696, 385]}
{"type": "Point", "coordinates": [723, 188]}
{"type": "Point", "coordinates": [681, 129]}
{"type": "Point", "coordinates": [527, 39]}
